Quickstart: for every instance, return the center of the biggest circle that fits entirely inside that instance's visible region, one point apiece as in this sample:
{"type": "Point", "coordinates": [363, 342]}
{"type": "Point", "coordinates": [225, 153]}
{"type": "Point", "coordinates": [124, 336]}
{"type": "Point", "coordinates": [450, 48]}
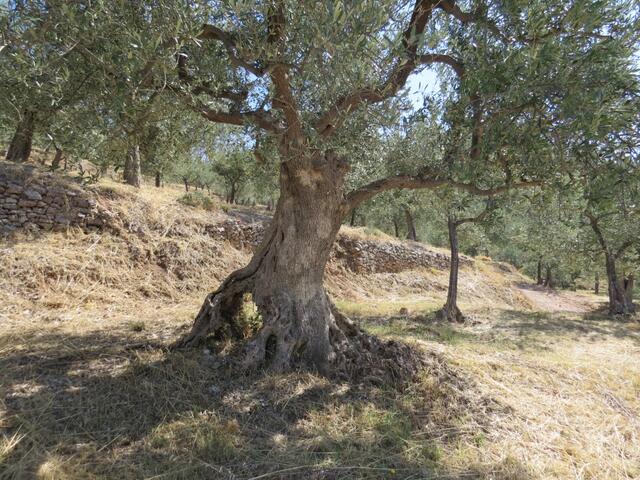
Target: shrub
{"type": "Point", "coordinates": [197, 199]}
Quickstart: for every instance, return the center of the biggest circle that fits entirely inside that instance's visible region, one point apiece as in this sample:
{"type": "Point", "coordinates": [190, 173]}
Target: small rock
{"type": "Point", "coordinates": [31, 194]}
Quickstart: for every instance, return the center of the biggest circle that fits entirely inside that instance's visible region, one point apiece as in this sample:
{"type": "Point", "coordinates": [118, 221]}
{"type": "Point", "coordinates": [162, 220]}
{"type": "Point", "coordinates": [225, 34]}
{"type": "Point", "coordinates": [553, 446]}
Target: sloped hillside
{"type": "Point", "coordinates": [526, 389]}
{"type": "Point", "coordinates": [133, 246]}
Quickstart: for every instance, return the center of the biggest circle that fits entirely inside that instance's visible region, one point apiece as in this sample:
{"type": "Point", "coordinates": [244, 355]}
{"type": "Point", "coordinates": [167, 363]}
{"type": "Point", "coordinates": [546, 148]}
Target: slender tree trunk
{"type": "Point", "coordinates": [231, 198]}
{"type": "Point", "coordinates": [132, 171]}
{"type": "Point", "coordinates": [450, 311]}
{"type": "Point", "coordinates": [539, 280]}
{"type": "Point", "coordinates": [300, 325]}
{"type": "Point", "coordinates": [352, 222]}
{"type": "Point", "coordinates": [596, 284]}
{"type": "Point", "coordinates": [411, 227]}
{"type": "Point", "coordinates": [628, 288]}
{"type": "Point", "coordinates": [57, 159]}
{"type": "Point", "coordinates": [22, 140]}
{"type": "Point", "coordinates": [158, 179]}
{"type": "Point", "coordinates": [619, 302]}
{"type": "Point", "coordinates": [396, 227]}
{"type": "Point", "coordinates": [186, 184]}
{"type": "Point", "coordinates": [548, 278]}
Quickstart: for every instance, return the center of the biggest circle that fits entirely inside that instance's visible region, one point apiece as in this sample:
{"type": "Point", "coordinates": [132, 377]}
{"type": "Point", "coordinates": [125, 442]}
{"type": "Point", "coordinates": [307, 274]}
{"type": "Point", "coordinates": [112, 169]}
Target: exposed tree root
{"type": "Point", "coordinates": [450, 314]}
{"type": "Point", "coordinates": [283, 343]}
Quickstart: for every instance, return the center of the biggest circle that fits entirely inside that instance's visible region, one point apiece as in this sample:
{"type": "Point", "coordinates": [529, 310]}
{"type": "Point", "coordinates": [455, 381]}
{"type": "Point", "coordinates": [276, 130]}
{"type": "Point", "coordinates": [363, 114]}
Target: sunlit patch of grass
{"type": "Point", "coordinates": [202, 434]}
{"type": "Point", "coordinates": [383, 307]}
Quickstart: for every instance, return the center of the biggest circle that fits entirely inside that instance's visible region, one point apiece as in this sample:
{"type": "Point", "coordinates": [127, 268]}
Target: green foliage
{"type": "Point", "coordinates": [197, 199]}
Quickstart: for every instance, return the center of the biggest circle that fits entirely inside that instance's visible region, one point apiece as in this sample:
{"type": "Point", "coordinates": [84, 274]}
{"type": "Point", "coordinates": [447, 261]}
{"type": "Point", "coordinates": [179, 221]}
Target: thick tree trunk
{"type": "Point", "coordinates": [450, 311]}
{"type": "Point", "coordinates": [22, 140]}
{"type": "Point", "coordinates": [396, 227]}
{"type": "Point", "coordinates": [132, 171]}
{"type": "Point", "coordinates": [186, 184]}
{"type": "Point", "coordinates": [539, 280]}
{"type": "Point", "coordinates": [300, 326]}
{"type": "Point", "coordinates": [57, 159]}
{"type": "Point", "coordinates": [411, 226]}
{"type": "Point", "coordinates": [158, 179]}
{"type": "Point", "coordinates": [596, 284]}
{"type": "Point", "coordinates": [619, 302]}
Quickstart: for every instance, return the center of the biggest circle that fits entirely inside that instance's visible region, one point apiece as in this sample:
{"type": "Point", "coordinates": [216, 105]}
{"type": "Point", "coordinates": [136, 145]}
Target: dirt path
{"type": "Point", "coordinates": [549, 300]}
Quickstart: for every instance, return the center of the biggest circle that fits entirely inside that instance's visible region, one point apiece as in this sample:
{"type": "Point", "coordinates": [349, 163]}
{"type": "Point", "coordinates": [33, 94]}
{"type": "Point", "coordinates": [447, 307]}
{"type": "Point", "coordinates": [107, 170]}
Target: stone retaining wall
{"type": "Point", "coordinates": [38, 200]}
{"type": "Point", "coordinates": [32, 199]}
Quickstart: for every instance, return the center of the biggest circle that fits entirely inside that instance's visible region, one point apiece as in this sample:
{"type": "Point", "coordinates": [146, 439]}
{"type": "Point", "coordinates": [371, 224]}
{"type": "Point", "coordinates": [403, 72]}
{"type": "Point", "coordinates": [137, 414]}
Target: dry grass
{"type": "Point", "coordinates": [87, 389]}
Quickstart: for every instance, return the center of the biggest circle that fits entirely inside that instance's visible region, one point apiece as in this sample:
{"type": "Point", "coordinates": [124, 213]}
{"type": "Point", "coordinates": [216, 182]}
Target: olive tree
{"type": "Point", "coordinates": [305, 73]}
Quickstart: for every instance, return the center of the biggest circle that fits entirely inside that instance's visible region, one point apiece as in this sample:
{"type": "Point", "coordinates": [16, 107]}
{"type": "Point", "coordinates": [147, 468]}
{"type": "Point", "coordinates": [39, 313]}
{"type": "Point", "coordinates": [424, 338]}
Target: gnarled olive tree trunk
{"type": "Point", "coordinates": [620, 302]}
{"type": "Point", "coordinates": [300, 325]}
{"type": "Point", "coordinates": [20, 147]}
{"type": "Point", "coordinates": [450, 311]}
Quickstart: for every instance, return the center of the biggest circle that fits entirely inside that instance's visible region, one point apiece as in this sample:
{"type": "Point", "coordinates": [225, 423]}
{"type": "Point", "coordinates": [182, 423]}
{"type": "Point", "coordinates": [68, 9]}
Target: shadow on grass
{"type": "Point", "coordinates": [92, 406]}
{"type": "Point", "coordinates": [515, 329]}
{"type": "Point", "coordinates": [593, 326]}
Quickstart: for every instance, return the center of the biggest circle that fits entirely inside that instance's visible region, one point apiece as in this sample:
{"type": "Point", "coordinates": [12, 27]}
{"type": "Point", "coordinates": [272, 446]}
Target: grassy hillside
{"type": "Point", "coordinates": [536, 385]}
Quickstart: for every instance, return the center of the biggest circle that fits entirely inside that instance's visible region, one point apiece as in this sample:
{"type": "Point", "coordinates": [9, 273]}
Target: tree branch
{"type": "Point", "coordinates": [478, 218]}
{"type": "Point", "coordinates": [283, 98]}
{"type": "Point", "coordinates": [404, 65]}
{"type": "Point", "coordinates": [623, 247]}
{"type": "Point", "coordinates": [362, 194]}
{"type": "Point", "coordinates": [452, 8]}
{"type": "Point", "coordinates": [593, 220]}
{"type": "Point", "coordinates": [210, 32]}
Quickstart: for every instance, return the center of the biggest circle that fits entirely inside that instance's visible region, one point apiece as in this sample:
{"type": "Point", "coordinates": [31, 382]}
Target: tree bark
{"type": "Point", "coordinates": [352, 222]}
{"type": "Point", "coordinates": [596, 284]}
{"type": "Point", "coordinates": [619, 302]}
{"type": "Point", "coordinates": [20, 147]}
{"type": "Point", "coordinates": [539, 280]}
{"type": "Point", "coordinates": [628, 288]}
{"type": "Point", "coordinates": [57, 159]}
{"type": "Point", "coordinates": [158, 179]}
{"type": "Point", "coordinates": [396, 227]}
{"type": "Point", "coordinates": [548, 278]}
{"type": "Point", "coordinates": [300, 325]}
{"type": "Point", "coordinates": [132, 171]}
{"type": "Point", "coordinates": [411, 227]}
{"type": "Point", "coordinates": [450, 311]}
